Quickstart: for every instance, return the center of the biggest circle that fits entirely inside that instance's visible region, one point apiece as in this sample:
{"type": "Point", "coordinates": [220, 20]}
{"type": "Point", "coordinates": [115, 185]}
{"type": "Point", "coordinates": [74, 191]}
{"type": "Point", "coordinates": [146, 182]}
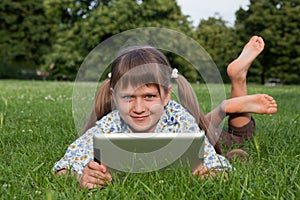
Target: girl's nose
{"type": "Point", "coordinates": [139, 105]}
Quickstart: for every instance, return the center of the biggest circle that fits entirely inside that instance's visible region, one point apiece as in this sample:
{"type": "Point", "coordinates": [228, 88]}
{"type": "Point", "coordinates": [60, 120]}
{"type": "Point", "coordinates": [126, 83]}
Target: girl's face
{"type": "Point", "coordinates": [142, 107]}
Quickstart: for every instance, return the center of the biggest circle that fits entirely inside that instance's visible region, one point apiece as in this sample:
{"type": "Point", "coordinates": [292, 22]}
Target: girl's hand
{"type": "Point", "coordinates": [94, 175]}
{"type": "Point", "coordinates": [203, 172]}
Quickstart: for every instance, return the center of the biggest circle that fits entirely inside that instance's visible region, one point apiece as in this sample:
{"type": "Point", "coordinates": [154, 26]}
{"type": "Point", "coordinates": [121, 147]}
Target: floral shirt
{"type": "Point", "coordinates": [175, 119]}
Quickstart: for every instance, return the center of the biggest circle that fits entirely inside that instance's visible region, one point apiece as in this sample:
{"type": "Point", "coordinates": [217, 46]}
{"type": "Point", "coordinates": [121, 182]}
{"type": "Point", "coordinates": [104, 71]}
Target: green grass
{"type": "Point", "coordinates": [36, 126]}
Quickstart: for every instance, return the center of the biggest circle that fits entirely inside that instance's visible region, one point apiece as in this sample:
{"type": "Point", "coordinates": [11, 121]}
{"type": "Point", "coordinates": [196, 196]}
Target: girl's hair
{"type": "Point", "coordinates": [146, 64]}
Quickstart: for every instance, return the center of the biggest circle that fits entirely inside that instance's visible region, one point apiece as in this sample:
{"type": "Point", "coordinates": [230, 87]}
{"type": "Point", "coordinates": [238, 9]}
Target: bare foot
{"type": "Point", "coordinates": [256, 103]}
{"type": "Point", "coordinates": [237, 69]}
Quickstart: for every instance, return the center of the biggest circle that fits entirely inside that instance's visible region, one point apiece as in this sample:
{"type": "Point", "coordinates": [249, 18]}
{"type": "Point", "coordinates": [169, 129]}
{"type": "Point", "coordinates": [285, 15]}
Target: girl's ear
{"type": "Point", "coordinates": [168, 96]}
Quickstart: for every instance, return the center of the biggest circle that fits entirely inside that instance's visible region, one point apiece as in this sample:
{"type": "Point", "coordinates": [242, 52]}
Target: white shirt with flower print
{"type": "Point", "coordinates": [175, 119]}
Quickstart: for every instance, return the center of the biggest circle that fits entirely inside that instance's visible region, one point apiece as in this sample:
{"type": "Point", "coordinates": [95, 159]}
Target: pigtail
{"type": "Point", "coordinates": [189, 101]}
{"type": "Point", "coordinates": [102, 105]}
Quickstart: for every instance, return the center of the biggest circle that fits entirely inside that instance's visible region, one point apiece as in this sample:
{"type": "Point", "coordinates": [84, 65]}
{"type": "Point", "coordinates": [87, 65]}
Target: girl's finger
{"type": "Point", "coordinates": [87, 179]}
{"type": "Point", "coordinates": [103, 176]}
{"type": "Point", "coordinates": [96, 166]}
{"type": "Point", "coordinates": [93, 176]}
{"type": "Point", "coordinates": [89, 185]}
{"type": "Point", "coordinates": [201, 170]}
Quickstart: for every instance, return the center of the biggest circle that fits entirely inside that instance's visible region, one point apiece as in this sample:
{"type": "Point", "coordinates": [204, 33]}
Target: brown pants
{"type": "Point", "coordinates": [237, 135]}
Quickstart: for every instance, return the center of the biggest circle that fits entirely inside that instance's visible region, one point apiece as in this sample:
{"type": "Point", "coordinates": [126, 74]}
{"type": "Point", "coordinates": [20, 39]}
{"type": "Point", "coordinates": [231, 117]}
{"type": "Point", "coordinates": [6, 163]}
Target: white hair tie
{"type": "Point", "coordinates": [109, 75]}
{"type": "Point", "coordinates": [174, 73]}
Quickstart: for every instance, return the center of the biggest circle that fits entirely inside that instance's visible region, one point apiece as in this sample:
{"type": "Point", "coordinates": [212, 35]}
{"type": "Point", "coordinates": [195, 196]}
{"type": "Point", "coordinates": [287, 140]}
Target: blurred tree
{"type": "Point", "coordinates": [25, 34]}
{"type": "Point", "coordinates": [56, 36]}
{"type": "Point", "coordinates": [67, 18]}
{"type": "Point", "coordinates": [76, 39]}
{"type": "Point", "coordinates": [278, 22]}
{"type": "Point", "coordinates": [219, 41]}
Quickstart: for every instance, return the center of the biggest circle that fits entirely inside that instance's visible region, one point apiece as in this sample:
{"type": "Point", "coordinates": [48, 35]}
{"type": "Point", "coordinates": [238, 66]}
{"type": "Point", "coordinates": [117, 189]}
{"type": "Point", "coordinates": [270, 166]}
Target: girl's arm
{"type": "Point", "coordinates": [79, 160]}
{"type": "Point", "coordinates": [93, 175]}
{"type": "Point", "coordinates": [213, 163]}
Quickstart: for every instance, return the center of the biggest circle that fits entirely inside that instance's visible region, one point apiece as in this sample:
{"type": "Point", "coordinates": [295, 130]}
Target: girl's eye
{"type": "Point", "coordinates": [150, 96]}
{"type": "Point", "coordinates": [127, 97]}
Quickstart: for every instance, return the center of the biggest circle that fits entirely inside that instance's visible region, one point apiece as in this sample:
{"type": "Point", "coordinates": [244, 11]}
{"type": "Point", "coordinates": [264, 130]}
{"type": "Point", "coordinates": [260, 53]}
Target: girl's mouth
{"type": "Point", "coordinates": [139, 118]}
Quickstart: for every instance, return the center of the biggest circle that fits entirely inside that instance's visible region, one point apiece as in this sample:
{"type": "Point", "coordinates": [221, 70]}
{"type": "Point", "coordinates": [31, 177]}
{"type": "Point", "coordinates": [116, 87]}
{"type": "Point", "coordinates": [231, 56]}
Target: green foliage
{"type": "Point", "coordinates": [74, 41]}
{"type": "Point", "coordinates": [25, 32]}
{"type": "Point", "coordinates": [56, 36]}
{"type": "Point", "coordinates": [278, 22]}
{"type": "Point", "coordinates": [219, 41]}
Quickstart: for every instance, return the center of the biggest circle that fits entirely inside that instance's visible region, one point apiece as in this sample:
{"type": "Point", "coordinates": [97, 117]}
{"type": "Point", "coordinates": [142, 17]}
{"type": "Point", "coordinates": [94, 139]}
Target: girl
{"type": "Point", "coordinates": [136, 98]}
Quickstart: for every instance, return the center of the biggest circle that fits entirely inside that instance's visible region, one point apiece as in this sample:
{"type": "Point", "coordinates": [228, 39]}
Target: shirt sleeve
{"type": "Point", "coordinates": [177, 119]}
{"type": "Point", "coordinates": [213, 160]}
{"type": "Point", "coordinates": [78, 154]}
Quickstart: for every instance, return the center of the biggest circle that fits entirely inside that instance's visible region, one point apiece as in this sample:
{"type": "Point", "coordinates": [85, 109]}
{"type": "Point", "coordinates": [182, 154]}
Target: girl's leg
{"type": "Point", "coordinates": [240, 104]}
{"type": "Point", "coordinates": [237, 72]}
{"type": "Point", "coordinates": [256, 103]}
{"type": "Point", "coordinates": [241, 126]}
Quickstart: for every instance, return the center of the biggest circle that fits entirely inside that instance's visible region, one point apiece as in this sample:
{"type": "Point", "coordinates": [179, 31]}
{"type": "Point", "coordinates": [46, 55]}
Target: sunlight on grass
{"type": "Point", "coordinates": [3, 111]}
{"type": "Point", "coordinates": [37, 125]}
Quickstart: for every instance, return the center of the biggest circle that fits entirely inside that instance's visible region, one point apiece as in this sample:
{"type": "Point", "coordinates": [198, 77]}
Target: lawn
{"type": "Point", "coordinates": [36, 126]}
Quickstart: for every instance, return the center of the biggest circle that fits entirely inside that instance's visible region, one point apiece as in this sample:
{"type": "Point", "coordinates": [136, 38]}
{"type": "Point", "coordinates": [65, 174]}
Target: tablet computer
{"type": "Point", "coordinates": [145, 152]}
